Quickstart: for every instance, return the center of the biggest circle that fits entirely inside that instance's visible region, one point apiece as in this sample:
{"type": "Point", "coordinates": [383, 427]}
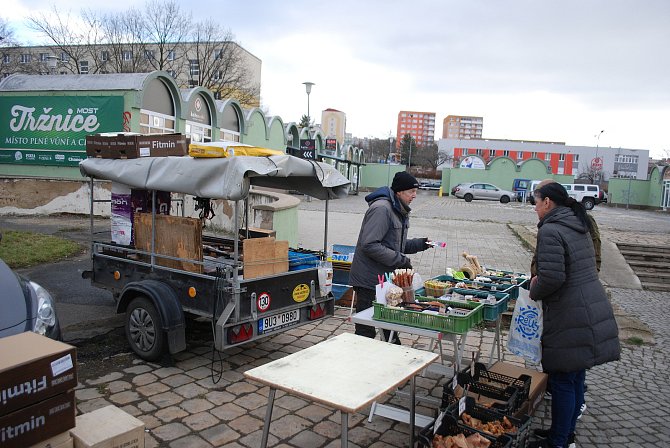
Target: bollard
{"type": "Point", "coordinates": [439, 193]}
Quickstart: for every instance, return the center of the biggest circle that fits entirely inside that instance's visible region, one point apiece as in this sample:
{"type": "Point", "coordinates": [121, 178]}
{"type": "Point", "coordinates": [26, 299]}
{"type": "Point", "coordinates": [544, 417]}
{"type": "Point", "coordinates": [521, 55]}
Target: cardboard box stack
{"type": "Point", "coordinates": [37, 380]}
{"type": "Point", "coordinates": [133, 146]}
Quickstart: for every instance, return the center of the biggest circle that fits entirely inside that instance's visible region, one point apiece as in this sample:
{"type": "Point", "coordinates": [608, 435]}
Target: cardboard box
{"type": "Point", "coordinates": [38, 422]}
{"type": "Point", "coordinates": [123, 146]}
{"type": "Point", "coordinates": [264, 256]}
{"type": "Point", "coordinates": [108, 427]}
{"type": "Point", "coordinates": [33, 368]}
{"type": "Point", "coordinates": [538, 385]}
{"type": "Point", "coordinates": [62, 440]}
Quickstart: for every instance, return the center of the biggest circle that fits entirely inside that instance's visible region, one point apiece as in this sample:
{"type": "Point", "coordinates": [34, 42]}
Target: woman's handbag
{"type": "Point", "coordinates": [526, 328]}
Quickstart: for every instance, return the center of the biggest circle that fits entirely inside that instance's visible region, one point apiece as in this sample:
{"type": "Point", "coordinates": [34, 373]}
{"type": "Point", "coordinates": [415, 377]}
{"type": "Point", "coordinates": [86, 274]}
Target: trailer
{"type": "Point", "coordinates": [173, 270]}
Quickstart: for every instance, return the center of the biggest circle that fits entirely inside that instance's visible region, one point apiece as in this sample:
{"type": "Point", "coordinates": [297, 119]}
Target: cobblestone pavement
{"type": "Point", "coordinates": [182, 406]}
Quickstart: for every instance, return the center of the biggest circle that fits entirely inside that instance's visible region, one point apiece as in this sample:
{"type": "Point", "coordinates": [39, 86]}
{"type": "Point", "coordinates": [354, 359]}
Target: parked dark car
{"type": "Point", "coordinates": [430, 185]}
{"type": "Point", "coordinates": [25, 306]}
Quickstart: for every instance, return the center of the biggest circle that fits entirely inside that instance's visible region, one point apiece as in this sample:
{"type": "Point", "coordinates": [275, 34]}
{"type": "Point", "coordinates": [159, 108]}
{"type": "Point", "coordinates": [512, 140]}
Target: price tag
{"type": "Point", "coordinates": [454, 382]}
{"type": "Point", "coordinates": [461, 406]}
{"type": "Point", "coordinates": [438, 422]}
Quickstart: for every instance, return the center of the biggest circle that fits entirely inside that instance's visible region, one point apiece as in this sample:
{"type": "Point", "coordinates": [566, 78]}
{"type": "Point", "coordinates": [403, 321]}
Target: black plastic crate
{"type": "Point", "coordinates": [519, 438]}
{"type": "Point", "coordinates": [497, 380]}
{"type": "Point", "coordinates": [449, 427]}
{"type": "Point", "coordinates": [506, 397]}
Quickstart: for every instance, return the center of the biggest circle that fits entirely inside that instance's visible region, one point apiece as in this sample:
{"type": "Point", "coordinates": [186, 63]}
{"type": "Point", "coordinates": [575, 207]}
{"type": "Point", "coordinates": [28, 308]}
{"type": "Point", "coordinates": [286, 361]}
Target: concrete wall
{"type": "Point", "coordinates": [375, 175]}
{"type": "Point", "coordinates": [628, 192]}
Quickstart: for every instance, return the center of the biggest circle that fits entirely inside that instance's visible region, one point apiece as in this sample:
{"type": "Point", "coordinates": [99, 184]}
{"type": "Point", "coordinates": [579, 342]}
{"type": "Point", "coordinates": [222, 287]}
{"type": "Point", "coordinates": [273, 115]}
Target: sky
{"type": "Point", "coordinates": [544, 70]}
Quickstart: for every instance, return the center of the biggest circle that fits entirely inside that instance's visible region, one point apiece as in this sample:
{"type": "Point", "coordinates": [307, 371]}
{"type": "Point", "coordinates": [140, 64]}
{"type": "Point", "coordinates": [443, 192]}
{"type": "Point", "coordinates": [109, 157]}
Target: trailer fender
{"type": "Point", "coordinates": [166, 302]}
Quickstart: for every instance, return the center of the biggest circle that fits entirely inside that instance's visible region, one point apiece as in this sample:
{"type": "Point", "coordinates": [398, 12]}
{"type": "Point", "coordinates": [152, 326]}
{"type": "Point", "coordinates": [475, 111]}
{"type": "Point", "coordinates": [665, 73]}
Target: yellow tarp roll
{"type": "Point", "coordinates": [229, 149]}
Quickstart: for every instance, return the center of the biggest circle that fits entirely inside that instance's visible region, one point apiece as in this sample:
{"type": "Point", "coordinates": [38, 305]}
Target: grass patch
{"type": "Point", "coordinates": [21, 249]}
{"type": "Point", "coordinates": [635, 340]}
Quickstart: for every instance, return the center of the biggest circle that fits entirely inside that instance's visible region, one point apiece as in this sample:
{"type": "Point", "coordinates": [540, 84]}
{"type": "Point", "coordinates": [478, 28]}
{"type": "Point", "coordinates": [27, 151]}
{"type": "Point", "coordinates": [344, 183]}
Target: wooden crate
{"type": "Point", "coordinates": [176, 236]}
{"type": "Point", "coordinates": [264, 256]}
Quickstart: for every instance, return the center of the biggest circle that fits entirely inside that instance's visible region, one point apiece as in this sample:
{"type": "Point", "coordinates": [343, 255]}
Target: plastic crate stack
{"type": "Point", "coordinates": [504, 396]}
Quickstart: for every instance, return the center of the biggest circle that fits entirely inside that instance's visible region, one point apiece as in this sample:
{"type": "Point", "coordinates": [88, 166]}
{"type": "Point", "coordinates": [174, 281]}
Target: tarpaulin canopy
{"type": "Point", "coordinates": [221, 178]}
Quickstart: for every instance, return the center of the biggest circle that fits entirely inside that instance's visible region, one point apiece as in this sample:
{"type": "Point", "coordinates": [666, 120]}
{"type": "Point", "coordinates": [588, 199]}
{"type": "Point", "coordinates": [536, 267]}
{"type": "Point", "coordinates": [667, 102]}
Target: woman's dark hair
{"type": "Point", "coordinates": [557, 193]}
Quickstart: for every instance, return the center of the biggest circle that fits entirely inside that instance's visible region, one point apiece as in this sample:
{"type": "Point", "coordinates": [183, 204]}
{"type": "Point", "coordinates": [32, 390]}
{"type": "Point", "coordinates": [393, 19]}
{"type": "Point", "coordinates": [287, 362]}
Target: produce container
{"type": "Point", "coordinates": [439, 322]}
{"type": "Point", "coordinates": [449, 427]}
{"type": "Point", "coordinates": [519, 438]}
{"type": "Point", "coordinates": [491, 310]}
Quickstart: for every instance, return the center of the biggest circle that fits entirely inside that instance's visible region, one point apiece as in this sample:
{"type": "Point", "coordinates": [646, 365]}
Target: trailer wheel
{"type": "Point", "coordinates": [143, 329]}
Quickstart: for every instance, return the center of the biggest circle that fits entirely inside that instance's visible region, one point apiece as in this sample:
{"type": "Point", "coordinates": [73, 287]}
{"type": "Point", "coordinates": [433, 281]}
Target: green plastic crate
{"type": "Point", "coordinates": [428, 321]}
{"type": "Point", "coordinates": [491, 311]}
{"type": "Point", "coordinates": [501, 285]}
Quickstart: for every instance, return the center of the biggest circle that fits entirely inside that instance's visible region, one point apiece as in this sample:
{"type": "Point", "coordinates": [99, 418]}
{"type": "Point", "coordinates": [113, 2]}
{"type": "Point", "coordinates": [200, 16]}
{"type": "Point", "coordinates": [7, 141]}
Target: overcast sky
{"type": "Point", "coordinates": [534, 69]}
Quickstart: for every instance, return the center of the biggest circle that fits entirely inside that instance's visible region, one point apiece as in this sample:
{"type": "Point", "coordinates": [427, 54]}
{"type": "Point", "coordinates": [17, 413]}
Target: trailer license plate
{"type": "Point", "coordinates": [272, 323]}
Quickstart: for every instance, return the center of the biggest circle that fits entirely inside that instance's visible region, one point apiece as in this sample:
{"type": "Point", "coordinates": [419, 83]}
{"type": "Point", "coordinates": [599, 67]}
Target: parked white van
{"type": "Point", "coordinates": [587, 194]}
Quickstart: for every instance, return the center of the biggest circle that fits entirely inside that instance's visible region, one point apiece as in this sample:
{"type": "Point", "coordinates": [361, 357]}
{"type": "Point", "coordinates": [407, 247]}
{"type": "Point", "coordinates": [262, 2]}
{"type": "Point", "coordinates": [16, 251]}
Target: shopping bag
{"type": "Point", "coordinates": [380, 292]}
{"type": "Point", "coordinates": [526, 328]}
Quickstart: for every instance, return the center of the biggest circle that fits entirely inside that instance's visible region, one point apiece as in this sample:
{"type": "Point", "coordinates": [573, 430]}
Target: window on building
{"type": "Point", "coordinates": [172, 73]}
{"type": "Point", "coordinates": [6, 59]}
{"type": "Point", "coordinates": [506, 153]}
{"type": "Point", "coordinates": [561, 157]}
{"type": "Point", "coordinates": [533, 155]}
{"type": "Point", "coordinates": [193, 68]}
{"type": "Point", "coordinates": [156, 123]}
{"type": "Point", "coordinates": [575, 157]}
{"type": "Point", "coordinates": [83, 67]}
{"type": "Point", "coordinates": [64, 57]}
{"type": "Point", "coordinates": [25, 58]}
{"type": "Point", "coordinates": [170, 55]}
{"type": "Point", "coordinates": [519, 155]}
{"type": "Point", "coordinates": [547, 157]}
{"type": "Point", "coordinates": [127, 55]}
{"type": "Point", "coordinates": [104, 56]}
{"type": "Point", "coordinates": [44, 57]}
{"type": "Point", "coordinates": [217, 75]}
{"type": "Point", "coordinates": [149, 55]}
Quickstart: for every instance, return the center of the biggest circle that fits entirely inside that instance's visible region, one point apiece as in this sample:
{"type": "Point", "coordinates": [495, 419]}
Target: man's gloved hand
{"type": "Point", "coordinates": [425, 244]}
{"type": "Point", "coordinates": [405, 263]}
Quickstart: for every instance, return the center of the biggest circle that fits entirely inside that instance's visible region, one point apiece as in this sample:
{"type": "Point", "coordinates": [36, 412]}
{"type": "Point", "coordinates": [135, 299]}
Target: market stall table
{"type": "Point", "coordinates": [346, 372]}
{"type": "Point", "coordinates": [365, 318]}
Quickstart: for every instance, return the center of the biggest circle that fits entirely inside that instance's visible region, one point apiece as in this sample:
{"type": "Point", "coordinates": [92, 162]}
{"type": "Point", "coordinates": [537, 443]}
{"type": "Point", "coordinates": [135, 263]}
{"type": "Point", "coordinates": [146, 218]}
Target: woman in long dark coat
{"type": "Point", "coordinates": [579, 326]}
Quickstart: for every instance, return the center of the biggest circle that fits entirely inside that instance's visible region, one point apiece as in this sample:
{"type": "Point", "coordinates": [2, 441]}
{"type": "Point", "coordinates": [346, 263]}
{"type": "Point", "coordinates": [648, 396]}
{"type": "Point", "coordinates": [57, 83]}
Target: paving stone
{"type": "Point", "coordinates": [291, 403]}
{"type": "Point", "coordinates": [150, 441]}
{"type": "Point", "coordinates": [177, 380]}
{"type": "Point", "coordinates": [252, 401]}
{"type": "Point", "coordinates": [220, 435]}
{"type": "Point", "coordinates": [165, 372]}
{"type": "Point", "coordinates": [314, 412]}
{"type": "Point", "coordinates": [125, 397]}
{"type": "Point", "coordinates": [196, 405]}
{"type": "Point", "coordinates": [166, 399]}
{"type": "Point", "coordinates": [118, 386]}
{"type": "Point", "coordinates": [199, 373]}
{"type": "Point", "coordinates": [219, 397]}
{"type": "Point", "coordinates": [253, 440]}
{"type": "Point", "coordinates": [171, 413]}
{"type": "Point", "coordinates": [132, 410]}
{"type": "Point", "coordinates": [193, 362]}
{"type": "Point", "coordinates": [307, 439]}
{"type": "Point", "coordinates": [145, 378]}
{"type": "Point", "coordinates": [228, 412]}
{"type": "Point", "coordinates": [200, 421]}
{"type": "Point", "coordinates": [152, 389]}
{"type": "Point", "coordinates": [138, 369]}
{"type": "Point", "coordinates": [146, 407]}
{"type": "Point", "coordinates": [191, 441]}
{"type": "Point", "coordinates": [150, 421]}
{"type": "Point", "coordinates": [92, 405]}
{"type": "Point", "coordinates": [171, 431]}
{"type": "Point", "coordinates": [87, 394]}
{"type": "Point", "coordinates": [246, 424]}
{"type": "Point", "coordinates": [241, 388]}
{"type": "Point", "coordinates": [113, 376]}
{"type": "Point", "coordinates": [288, 426]}
{"type": "Point", "coordinates": [190, 390]}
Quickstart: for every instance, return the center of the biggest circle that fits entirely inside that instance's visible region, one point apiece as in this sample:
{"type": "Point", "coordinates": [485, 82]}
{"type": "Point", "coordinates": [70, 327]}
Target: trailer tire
{"type": "Point", "coordinates": [144, 330]}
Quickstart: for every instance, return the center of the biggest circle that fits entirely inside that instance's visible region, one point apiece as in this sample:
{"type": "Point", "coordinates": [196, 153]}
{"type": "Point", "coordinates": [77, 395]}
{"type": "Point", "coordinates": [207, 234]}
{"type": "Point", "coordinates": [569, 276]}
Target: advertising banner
{"type": "Point", "coordinates": [52, 130]}
{"type": "Point", "coordinates": [307, 149]}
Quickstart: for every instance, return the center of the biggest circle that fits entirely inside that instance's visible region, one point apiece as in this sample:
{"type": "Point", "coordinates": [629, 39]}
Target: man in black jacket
{"type": "Point", "coordinates": [382, 242]}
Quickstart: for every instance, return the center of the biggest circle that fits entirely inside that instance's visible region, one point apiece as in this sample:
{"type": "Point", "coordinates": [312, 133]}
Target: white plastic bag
{"type": "Point", "coordinates": [526, 328]}
{"type": "Point", "coordinates": [380, 292]}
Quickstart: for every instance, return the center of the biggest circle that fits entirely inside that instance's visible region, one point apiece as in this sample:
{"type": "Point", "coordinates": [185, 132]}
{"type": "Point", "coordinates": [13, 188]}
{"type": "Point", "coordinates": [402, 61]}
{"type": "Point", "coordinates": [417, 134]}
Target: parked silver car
{"type": "Point", "coordinates": [480, 190]}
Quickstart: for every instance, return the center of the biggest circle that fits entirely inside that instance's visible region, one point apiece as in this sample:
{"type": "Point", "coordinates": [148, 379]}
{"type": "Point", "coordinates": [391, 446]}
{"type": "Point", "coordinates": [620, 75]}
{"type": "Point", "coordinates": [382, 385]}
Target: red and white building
{"type": "Point", "coordinates": [420, 125]}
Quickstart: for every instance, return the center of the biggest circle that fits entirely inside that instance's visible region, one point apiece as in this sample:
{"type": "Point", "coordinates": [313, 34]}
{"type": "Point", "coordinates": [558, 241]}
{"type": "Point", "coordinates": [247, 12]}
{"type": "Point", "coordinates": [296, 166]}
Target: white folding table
{"type": "Point", "coordinates": [346, 372]}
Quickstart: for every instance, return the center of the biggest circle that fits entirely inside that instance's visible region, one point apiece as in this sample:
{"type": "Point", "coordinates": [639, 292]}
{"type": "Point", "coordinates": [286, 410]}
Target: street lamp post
{"type": "Point", "coordinates": [388, 162]}
{"type": "Point", "coordinates": [409, 162]}
{"type": "Point", "coordinates": [597, 145]}
{"type": "Point", "coordinates": [308, 89]}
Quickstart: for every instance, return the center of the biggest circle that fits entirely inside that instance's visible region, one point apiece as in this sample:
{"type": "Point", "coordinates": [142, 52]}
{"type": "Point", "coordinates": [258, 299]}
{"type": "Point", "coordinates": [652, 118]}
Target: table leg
{"type": "Point", "coordinates": [268, 417]}
{"type": "Point", "coordinates": [345, 430]}
{"type": "Point", "coordinates": [497, 340]}
{"type": "Point", "coordinates": [412, 410]}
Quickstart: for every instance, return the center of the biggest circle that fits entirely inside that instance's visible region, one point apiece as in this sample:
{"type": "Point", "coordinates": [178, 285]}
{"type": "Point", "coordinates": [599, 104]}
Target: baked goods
{"type": "Point", "coordinates": [474, 440]}
{"type": "Point", "coordinates": [494, 427]}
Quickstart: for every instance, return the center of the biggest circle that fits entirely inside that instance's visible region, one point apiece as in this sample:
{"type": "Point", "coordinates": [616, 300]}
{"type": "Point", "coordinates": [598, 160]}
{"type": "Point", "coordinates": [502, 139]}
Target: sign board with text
{"type": "Point", "coordinates": [307, 149]}
{"type": "Point", "coordinates": [52, 130]}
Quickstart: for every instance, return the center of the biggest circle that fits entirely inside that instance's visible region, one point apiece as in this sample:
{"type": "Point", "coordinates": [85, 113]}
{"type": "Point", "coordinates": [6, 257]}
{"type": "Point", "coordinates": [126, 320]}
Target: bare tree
{"type": "Point", "coordinates": [71, 46]}
{"type": "Point", "coordinates": [166, 28]}
{"type": "Point", "coordinates": [125, 37]}
{"type": "Point", "coordinates": [8, 49]}
{"type": "Point", "coordinates": [216, 63]}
